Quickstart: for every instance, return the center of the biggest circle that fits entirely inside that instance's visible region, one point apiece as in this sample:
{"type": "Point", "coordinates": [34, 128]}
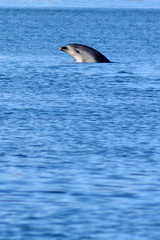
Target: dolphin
{"type": "Point", "coordinates": [82, 53]}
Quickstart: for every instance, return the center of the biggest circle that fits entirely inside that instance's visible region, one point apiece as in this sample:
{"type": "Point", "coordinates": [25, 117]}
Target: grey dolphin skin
{"type": "Point", "coordinates": [82, 53]}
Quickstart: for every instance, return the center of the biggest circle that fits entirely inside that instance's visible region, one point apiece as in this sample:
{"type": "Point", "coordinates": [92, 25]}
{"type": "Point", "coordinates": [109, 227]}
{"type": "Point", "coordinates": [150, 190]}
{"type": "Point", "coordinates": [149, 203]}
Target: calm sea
{"type": "Point", "coordinates": [79, 143]}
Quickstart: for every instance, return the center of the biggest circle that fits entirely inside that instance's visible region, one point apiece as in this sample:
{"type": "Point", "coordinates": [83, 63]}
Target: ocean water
{"type": "Point", "coordinates": [79, 143]}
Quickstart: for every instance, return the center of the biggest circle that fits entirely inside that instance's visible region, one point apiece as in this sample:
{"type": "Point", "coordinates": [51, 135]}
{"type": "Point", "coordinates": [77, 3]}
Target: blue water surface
{"type": "Point", "coordinates": [79, 143]}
